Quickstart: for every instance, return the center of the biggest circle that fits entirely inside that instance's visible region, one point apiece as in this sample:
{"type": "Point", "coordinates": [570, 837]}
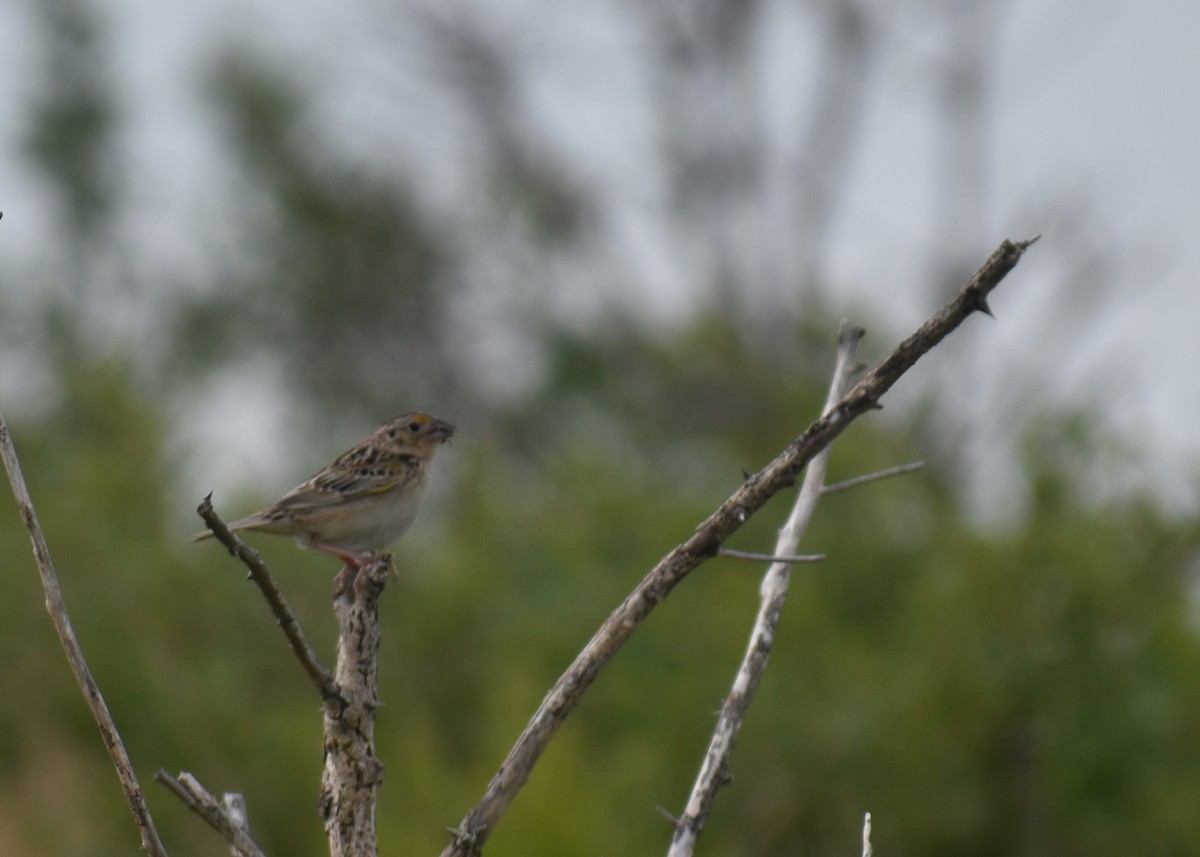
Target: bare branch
{"type": "Point", "coordinates": [898, 470]}
{"type": "Point", "coordinates": [57, 608]}
{"type": "Point", "coordinates": [474, 829]}
{"type": "Point", "coordinates": [671, 820]}
{"type": "Point", "coordinates": [249, 557]}
{"type": "Point", "coordinates": [226, 817]}
{"type": "Point", "coordinates": [353, 772]}
{"type": "Point", "coordinates": [714, 771]}
{"type": "Point", "coordinates": [767, 557]}
{"type": "Point", "coordinates": [867, 850]}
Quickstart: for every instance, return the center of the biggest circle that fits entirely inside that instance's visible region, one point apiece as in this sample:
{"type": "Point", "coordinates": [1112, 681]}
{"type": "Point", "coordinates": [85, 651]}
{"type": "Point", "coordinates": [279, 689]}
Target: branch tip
{"type": "Point", "coordinates": [850, 333]}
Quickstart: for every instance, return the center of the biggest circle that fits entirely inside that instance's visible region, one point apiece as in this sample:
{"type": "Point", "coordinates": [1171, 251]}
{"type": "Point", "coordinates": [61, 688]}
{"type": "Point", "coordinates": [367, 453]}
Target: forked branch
{"type": "Point", "coordinates": [478, 824]}
{"type": "Point", "coordinates": [227, 817]}
{"type": "Point", "coordinates": [352, 772]}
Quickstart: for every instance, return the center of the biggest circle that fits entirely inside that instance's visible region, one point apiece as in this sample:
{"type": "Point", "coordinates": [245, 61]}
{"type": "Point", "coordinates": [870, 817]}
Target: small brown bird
{"type": "Point", "coordinates": [365, 499]}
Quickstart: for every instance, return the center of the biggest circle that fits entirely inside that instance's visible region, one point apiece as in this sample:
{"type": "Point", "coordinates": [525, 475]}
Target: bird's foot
{"type": "Point", "coordinates": [350, 578]}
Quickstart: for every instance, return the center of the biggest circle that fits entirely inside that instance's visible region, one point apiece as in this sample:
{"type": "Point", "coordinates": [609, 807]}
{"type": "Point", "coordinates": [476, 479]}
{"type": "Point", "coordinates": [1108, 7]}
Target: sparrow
{"type": "Point", "coordinates": [364, 499]}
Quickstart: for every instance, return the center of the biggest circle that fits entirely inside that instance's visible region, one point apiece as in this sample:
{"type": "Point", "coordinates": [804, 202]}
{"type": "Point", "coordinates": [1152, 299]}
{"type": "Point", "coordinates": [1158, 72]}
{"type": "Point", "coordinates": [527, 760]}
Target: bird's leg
{"type": "Point", "coordinates": [348, 557]}
{"type": "Point", "coordinates": [354, 562]}
{"type": "Point", "coordinates": [345, 578]}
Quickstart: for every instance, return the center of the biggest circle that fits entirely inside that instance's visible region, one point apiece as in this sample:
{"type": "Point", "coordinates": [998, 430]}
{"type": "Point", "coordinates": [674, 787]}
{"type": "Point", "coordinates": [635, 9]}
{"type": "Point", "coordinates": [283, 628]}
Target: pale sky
{"type": "Point", "coordinates": [1095, 114]}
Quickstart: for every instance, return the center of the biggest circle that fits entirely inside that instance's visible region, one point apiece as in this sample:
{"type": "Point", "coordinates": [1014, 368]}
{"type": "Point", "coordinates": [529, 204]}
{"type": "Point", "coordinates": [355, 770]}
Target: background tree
{"type": "Point", "coordinates": [1013, 691]}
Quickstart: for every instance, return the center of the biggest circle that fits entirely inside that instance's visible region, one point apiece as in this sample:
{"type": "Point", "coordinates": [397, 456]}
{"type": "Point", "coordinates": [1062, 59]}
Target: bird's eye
{"type": "Point", "coordinates": [414, 427]}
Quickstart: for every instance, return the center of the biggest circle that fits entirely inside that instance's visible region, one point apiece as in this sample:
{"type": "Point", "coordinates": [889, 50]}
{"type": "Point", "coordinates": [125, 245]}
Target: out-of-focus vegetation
{"type": "Point", "coordinates": [1030, 695]}
{"type": "Point", "coordinates": [1025, 694]}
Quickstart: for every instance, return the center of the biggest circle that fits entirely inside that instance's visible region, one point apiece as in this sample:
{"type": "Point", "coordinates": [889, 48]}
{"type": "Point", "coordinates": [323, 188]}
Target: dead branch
{"type": "Point", "coordinates": [227, 816]}
{"type": "Point", "coordinates": [353, 772]}
{"type": "Point", "coordinates": [714, 772]}
{"type": "Point", "coordinates": [478, 824]}
{"type": "Point", "coordinates": [790, 559]}
{"type": "Point", "coordinates": [57, 608]}
{"type": "Point", "coordinates": [249, 557]}
{"type": "Point", "coordinates": [888, 473]}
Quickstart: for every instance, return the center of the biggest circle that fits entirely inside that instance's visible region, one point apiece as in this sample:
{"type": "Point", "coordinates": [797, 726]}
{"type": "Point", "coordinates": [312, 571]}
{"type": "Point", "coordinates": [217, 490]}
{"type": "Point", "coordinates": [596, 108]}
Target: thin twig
{"type": "Point", "coordinates": [219, 815]}
{"type": "Point", "coordinates": [898, 470]}
{"type": "Point", "coordinates": [771, 557]}
{"type": "Point", "coordinates": [773, 592]}
{"type": "Point", "coordinates": [478, 824]}
{"type": "Point", "coordinates": [322, 679]}
{"type": "Point", "coordinates": [671, 820]}
{"type": "Point", "coordinates": [57, 608]}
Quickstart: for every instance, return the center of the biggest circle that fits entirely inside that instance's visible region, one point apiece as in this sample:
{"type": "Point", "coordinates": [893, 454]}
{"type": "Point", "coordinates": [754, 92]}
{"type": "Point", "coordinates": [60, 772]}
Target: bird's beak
{"type": "Point", "coordinates": [442, 430]}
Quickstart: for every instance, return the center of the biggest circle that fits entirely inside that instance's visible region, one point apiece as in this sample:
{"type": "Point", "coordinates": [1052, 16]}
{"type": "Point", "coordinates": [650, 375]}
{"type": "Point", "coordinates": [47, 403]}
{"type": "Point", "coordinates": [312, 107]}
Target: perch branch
{"type": "Point", "coordinates": [57, 609]}
{"type": "Point", "coordinates": [898, 470]}
{"type": "Point", "coordinates": [225, 817]}
{"type": "Point", "coordinates": [867, 849]}
{"type": "Point", "coordinates": [714, 771]}
{"type": "Point", "coordinates": [249, 557]}
{"type": "Point", "coordinates": [478, 824]}
{"type": "Point", "coordinates": [353, 772]}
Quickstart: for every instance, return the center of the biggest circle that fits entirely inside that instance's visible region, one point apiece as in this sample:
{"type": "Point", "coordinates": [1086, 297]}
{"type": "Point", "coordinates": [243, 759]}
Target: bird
{"type": "Point", "coordinates": [364, 499]}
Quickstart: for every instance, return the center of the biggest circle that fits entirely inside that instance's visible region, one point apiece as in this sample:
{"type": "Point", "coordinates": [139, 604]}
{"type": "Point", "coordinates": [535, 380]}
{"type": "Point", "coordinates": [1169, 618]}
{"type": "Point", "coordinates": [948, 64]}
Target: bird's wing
{"type": "Point", "coordinates": [356, 474]}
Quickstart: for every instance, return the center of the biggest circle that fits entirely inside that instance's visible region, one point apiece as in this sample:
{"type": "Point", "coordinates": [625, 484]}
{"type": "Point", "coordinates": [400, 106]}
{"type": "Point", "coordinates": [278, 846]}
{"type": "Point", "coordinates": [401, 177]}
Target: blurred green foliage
{"type": "Point", "coordinates": [1020, 695]}
{"type": "Point", "coordinates": [1027, 695]}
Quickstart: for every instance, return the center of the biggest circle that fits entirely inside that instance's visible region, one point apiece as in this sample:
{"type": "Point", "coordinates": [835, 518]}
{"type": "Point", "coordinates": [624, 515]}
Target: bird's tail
{"type": "Point", "coordinates": [253, 522]}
